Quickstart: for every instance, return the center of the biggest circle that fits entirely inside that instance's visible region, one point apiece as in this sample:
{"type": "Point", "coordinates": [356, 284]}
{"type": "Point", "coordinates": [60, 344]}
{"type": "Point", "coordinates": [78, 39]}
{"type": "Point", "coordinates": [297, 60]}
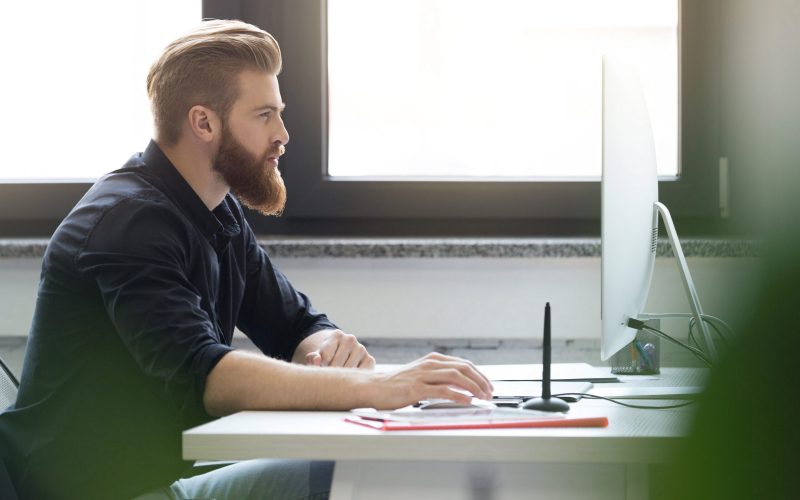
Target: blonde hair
{"type": "Point", "coordinates": [202, 67]}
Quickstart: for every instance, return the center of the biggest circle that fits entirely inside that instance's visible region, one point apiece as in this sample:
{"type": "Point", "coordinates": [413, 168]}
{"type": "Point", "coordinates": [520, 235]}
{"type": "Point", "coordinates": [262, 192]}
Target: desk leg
{"type": "Point", "coordinates": [637, 482]}
{"type": "Point", "coordinates": [346, 475]}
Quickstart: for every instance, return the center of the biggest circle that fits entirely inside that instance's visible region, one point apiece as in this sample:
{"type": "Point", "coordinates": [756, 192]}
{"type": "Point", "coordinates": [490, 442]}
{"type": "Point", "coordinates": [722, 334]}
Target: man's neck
{"type": "Point", "coordinates": [195, 167]}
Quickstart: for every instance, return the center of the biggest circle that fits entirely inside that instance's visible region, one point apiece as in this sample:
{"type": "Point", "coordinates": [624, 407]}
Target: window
{"type": "Point", "coordinates": [332, 133]}
{"type": "Point", "coordinates": [454, 89]}
{"type": "Point", "coordinates": [75, 102]}
{"type": "Point", "coordinates": [78, 81]}
{"type": "Point", "coordinates": [513, 198]}
{"type": "Point", "coordinates": [326, 202]}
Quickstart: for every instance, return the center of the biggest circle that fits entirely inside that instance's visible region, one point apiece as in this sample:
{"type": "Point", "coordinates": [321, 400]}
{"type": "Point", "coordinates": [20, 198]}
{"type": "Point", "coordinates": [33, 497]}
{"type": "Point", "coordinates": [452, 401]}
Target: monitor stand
{"type": "Point", "coordinates": [546, 402]}
{"type": "Point", "coordinates": [686, 278]}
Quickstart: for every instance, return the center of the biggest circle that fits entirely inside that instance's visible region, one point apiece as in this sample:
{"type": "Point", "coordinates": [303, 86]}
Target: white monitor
{"type": "Point", "coordinates": [629, 190]}
{"type": "Point", "coordinates": [629, 215]}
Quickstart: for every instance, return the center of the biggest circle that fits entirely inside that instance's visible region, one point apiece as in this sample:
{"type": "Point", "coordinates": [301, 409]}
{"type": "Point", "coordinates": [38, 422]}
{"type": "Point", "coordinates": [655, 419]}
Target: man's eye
{"type": "Point", "coordinates": [265, 114]}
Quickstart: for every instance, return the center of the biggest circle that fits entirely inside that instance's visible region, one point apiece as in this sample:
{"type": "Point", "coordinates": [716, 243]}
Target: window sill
{"type": "Point", "coordinates": [295, 247]}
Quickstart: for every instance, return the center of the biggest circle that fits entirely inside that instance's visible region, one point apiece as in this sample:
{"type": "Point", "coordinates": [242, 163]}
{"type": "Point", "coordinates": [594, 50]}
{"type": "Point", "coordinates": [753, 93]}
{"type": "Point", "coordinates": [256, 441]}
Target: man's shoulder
{"type": "Point", "coordinates": [123, 184]}
{"type": "Point", "coordinates": [119, 207]}
{"type": "Point", "coordinates": [118, 196]}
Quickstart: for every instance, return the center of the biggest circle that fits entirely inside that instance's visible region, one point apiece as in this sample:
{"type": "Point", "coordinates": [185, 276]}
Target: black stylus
{"type": "Point", "coordinates": [546, 402]}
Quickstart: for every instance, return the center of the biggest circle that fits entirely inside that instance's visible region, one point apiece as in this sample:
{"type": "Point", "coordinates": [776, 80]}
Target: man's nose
{"type": "Point", "coordinates": [283, 134]}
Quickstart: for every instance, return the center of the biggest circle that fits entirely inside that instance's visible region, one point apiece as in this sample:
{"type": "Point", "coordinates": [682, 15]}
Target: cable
{"type": "Point", "coordinates": [629, 405]}
{"type": "Point", "coordinates": [712, 319]}
{"type": "Point", "coordinates": [708, 318]}
{"type": "Point", "coordinates": [719, 333]}
{"type": "Point", "coordinates": [697, 352]}
{"type": "Point", "coordinates": [723, 336]}
{"type": "Point", "coordinates": [691, 339]}
{"type": "Point", "coordinates": [640, 325]}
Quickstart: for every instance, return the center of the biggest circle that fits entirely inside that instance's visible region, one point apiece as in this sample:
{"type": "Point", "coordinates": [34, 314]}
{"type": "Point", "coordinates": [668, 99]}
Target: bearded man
{"type": "Point", "coordinates": [144, 283]}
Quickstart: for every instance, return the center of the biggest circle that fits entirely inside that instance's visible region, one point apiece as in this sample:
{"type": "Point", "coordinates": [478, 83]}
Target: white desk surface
{"type": "Point", "coordinates": [632, 436]}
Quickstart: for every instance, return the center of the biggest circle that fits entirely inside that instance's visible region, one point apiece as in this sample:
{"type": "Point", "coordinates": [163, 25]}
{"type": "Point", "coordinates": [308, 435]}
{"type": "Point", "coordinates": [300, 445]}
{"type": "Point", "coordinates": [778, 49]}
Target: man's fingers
{"type": "Point", "coordinates": [486, 382]}
{"type": "Point", "coordinates": [454, 377]}
{"type": "Point", "coordinates": [445, 392]}
{"type": "Point", "coordinates": [347, 347]}
{"type": "Point", "coordinates": [367, 362]}
{"type": "Point", "coordinates": [328, 352]}
{"type": "Point", "coordinates": [466, 369]}
{"type": "Point", "coordinates": [314, 359]}
{"type": "Point", "coordinates": [357, 355]}
{"type": "Point", "coordinates": [343, 350]}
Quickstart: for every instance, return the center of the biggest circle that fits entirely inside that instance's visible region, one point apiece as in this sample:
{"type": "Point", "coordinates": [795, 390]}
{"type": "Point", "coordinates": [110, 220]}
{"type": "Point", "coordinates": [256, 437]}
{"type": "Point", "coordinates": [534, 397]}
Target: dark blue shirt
{"type": "Point", "coordinates": [140, 292]}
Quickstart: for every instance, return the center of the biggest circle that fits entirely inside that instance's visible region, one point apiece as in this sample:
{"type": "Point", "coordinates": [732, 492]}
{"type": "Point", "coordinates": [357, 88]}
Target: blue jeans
{"type": "Point", "coordinates": [254, 479]}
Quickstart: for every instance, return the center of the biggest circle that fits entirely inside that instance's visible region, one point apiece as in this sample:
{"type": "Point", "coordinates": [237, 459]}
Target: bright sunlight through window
{"type": "Point", "coordinates": [502, 88]}
{"type": "Point", "coordinates": [75, 98]}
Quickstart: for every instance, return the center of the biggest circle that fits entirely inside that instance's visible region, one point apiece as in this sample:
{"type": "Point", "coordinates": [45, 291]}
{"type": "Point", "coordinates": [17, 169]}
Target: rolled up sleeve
{"type": "Point", "coordinates": [138, 256]}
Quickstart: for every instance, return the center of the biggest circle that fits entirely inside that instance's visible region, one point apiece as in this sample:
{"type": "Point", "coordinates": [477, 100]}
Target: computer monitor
{"type": "Point", "coordinates": [630, 212]}
{"type": "Point", "coordinates": [629, 189]}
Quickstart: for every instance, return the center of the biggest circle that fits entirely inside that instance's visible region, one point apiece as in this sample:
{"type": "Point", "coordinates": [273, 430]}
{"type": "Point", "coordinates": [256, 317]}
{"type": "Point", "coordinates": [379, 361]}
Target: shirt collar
{"type": "Point", "coordinates": [220, 221]}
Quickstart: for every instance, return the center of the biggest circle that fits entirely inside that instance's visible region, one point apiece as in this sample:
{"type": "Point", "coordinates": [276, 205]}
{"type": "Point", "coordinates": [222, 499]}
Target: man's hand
{"type": "Point", "coordinates": [336, 348]}
{"type": "Point", "coordinates": [433, 376]}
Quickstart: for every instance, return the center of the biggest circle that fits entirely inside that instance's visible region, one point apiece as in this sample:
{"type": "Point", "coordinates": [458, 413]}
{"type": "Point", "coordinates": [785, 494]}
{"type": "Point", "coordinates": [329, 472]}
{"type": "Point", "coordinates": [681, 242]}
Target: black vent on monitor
{"type": "Point", "coordinates": [654, 240]}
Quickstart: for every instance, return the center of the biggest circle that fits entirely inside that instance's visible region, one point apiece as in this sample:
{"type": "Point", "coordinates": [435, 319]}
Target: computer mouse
{"type": "Point", "coordinates": [439, 404]}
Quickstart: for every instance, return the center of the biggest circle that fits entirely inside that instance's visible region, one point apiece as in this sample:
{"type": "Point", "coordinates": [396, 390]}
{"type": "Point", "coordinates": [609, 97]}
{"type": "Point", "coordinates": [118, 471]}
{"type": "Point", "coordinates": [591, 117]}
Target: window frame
{"type": "Point", "coordinates": [467, 207]}
{"type": "Point", "coordinates": [327, 206]}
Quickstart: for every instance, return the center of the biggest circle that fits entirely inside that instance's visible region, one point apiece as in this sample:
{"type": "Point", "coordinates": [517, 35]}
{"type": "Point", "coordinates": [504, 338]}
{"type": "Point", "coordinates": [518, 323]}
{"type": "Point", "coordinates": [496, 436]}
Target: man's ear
{"type": "Point", "coordinates": [204, 124]}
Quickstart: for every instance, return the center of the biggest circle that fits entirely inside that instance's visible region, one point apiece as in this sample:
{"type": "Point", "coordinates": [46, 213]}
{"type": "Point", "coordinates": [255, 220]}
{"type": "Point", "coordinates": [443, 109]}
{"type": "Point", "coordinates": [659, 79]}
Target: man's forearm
{"type": "Point", "coordinates": [246, 381]}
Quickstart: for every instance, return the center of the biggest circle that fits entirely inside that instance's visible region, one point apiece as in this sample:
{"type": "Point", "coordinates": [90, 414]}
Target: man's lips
{"type": "Point", "coordinates": [275, 156]}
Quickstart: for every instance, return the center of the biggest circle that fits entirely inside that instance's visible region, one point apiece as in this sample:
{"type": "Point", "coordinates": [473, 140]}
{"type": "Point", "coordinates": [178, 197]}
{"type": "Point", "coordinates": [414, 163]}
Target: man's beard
{"type": "Point", "coordinates": [252, 180]}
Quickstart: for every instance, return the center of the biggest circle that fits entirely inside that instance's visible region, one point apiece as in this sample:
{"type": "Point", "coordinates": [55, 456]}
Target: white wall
{"type": "Point", "coordinates": [453, 298]}
{"type": "Point", "coordinates": [19, 279]}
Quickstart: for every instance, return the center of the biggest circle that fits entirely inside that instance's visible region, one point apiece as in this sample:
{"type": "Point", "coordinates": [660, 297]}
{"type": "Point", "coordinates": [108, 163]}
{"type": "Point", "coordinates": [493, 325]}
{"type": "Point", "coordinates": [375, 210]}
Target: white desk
{"type": "Point", "coordinates": [498, 464]}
